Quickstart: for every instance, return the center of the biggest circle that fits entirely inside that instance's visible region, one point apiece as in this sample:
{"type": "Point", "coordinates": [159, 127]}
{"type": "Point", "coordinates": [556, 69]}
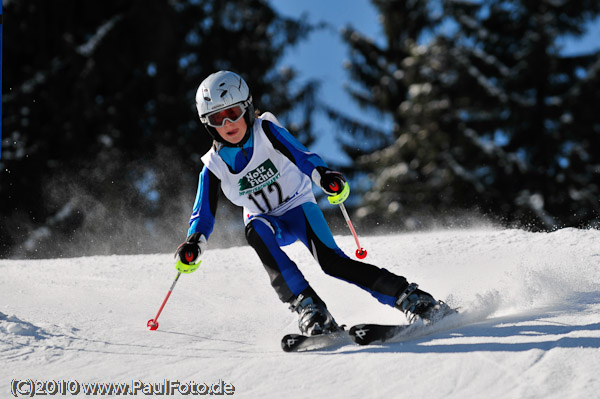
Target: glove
{"type": "Point", "coordinates": [333, 183]}
{"type": "Point", "coordinates": [330, 181]}
{"type": "Point", "coordinates": [188, 253]}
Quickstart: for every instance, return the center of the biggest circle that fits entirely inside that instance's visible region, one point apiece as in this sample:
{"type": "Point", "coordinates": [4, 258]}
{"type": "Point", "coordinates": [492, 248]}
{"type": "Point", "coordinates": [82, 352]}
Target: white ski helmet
{"type": "Point", "coordinates": [220, 91]}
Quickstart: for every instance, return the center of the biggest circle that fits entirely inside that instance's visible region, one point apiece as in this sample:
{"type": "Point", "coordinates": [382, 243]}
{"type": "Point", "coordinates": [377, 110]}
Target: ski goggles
{"type": "Point", "coordinates": [232, 114]}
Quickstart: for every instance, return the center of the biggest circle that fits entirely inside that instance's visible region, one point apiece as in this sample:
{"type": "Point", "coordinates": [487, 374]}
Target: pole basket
{"type": "Point", "coordinates": [361, 253]}
{"type": "Point", "coordinates": [152, 325]}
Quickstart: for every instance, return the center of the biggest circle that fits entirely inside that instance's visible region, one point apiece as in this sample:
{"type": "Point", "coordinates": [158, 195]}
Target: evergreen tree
{"type": "Point", "coordinates": [488, 114]}
{"type": "Point", "coordinates": [528, 115]}
{"type": "Point", "coordinates": [101, 139]}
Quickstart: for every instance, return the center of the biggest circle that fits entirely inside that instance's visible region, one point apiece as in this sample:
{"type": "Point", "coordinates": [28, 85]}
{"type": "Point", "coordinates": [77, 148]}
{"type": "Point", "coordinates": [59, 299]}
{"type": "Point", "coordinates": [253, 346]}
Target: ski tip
{"type": "Point", "coordinates": [291, 341]}
{"type": "Point", "coordinates": [357, 334]}
{"type": "Point", "coordinates": [306, 343]}
{"type": "Point", "coordinates": [365, 334]}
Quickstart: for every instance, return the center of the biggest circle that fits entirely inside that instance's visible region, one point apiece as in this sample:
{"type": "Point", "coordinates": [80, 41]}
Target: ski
{"type": "Point", "coordinates": [303, 343]}
{"type": "Point", "coordinates": [369, 333]}
{"type": "Point", "coordinates": [365, 334]}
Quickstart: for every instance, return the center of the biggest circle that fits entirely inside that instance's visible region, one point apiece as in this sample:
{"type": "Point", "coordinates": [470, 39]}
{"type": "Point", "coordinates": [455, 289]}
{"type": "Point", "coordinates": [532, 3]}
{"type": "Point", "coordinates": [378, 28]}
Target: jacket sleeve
{"type": "Point", "coordinates": [288, 145]}
{"type": "Point", "coordinates": [205, 207]}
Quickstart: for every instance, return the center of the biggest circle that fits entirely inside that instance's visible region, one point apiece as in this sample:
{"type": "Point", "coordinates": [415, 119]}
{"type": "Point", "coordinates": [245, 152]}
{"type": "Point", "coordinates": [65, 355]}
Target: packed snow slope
{"type": "Point", "coordinates": [529, 325]}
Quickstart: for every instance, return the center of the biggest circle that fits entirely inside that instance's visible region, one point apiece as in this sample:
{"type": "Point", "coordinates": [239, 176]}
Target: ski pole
{"type": "Point", "coordinates": [153, 323]}
{"type": "Point", "coordinates": [361, 253]}
{"type": "Point", "coordinates": [339, 199]}
{"type": "Point", "coordinates": [181, 268]}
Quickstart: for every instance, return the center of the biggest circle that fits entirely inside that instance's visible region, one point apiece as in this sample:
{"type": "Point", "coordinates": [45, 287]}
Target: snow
{"type": "Point", "coordinates": [529, 325]}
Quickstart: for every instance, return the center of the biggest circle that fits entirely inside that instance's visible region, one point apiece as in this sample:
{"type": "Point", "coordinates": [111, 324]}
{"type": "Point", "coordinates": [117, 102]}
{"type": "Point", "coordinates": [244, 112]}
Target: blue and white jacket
{"type": "Point", "coordinates": [269, 174]}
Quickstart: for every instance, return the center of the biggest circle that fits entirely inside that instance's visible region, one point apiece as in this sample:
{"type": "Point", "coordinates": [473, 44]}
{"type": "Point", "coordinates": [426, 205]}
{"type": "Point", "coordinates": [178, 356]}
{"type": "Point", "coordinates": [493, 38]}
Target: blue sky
{"type": "Point", "coordinates": [322, 55]}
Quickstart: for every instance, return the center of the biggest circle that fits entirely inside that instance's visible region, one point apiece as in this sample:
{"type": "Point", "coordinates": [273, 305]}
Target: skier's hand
{"type": "Point", "coordinates": [330, 181]}
{"type": "Point", "coordinates": [189, 252]}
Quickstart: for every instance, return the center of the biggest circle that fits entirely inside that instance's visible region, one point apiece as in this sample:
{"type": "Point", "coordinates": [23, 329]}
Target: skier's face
{"type": "Point", "coordinates": [233, 132]}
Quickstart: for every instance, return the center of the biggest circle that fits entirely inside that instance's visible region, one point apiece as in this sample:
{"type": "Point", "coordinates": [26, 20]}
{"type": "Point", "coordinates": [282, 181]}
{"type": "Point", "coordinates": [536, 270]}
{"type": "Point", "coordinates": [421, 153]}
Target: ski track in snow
{"type": "Point", "coordinates": [529, 325]}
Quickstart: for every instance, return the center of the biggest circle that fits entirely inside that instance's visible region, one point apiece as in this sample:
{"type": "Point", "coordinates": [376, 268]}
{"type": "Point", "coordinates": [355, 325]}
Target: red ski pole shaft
{"type": "Point", "coordinates": [361, 253]}
{"type": "Point", "coordinates": [153, 323]}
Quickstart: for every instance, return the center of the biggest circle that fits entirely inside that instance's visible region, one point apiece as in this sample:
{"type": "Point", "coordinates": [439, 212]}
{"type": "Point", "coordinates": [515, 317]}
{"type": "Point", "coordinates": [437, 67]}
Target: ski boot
{"type": "Point", "coordinates": [417, 304]}
{"type": "Point", "coordinates": [314, 318]}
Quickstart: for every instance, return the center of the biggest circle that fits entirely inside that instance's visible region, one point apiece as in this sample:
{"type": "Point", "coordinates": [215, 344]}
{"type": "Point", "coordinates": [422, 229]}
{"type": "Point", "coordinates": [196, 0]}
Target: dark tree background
{"type": "Point", "coordinates": [101, 140]}
{"type": "Point", "coordinates": [490, 118]}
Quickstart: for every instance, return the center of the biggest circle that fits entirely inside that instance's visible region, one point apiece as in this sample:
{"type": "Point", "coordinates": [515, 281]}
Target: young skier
{"type": "Point", "coordinates": [261, 167]}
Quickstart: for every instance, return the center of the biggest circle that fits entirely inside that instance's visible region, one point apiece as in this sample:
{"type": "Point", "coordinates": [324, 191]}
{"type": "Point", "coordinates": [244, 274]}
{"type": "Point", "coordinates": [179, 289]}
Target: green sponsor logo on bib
{"type": "Point", "coordinates": [258, 178]}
